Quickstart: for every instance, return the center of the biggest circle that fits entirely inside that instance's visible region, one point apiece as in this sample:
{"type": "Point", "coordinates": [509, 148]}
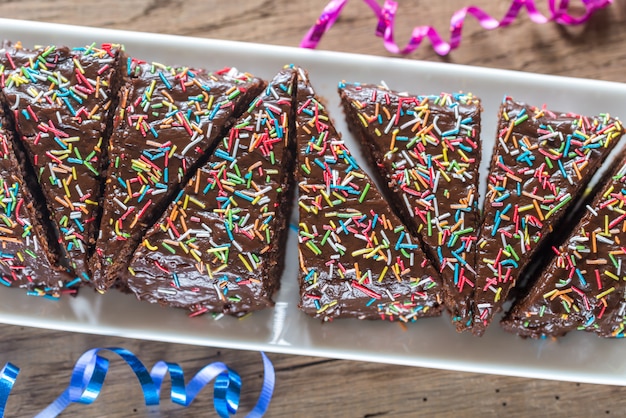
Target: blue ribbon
{"type": "Point", "coordinates": [8, 374]}
{"type": "Point", "coordinates": [91, 369]}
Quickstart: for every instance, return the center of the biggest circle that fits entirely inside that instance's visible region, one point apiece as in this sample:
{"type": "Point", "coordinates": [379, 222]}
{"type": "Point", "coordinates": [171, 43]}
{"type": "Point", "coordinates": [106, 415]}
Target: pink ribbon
{"type": "Point", "coordinates": [387, 12]}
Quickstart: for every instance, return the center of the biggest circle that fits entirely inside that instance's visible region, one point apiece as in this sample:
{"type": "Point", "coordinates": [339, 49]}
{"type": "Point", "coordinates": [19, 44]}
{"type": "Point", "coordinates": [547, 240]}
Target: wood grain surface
{"type": "Point", "coordinates": [308, 386]}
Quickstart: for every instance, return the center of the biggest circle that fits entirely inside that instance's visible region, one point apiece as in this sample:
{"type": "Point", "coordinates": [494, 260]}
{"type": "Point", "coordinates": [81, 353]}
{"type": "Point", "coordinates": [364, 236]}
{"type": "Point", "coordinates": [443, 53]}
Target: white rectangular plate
{"type": "Point", "coordinates": [430, 342]}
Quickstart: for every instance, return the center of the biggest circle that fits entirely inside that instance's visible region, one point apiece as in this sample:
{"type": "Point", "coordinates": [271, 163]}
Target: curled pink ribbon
{"type": "Point", "coordinates": [387, 12]}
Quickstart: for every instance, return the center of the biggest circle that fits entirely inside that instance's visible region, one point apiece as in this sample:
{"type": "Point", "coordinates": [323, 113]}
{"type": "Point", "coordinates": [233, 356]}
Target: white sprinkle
{"type": "Point", "coordinates": [408, 205]}
{"type": "Point", "coordinates": [604, 239]}
{"type": "Point", "coordinates": [17, 102]}
{"type": "Point", "coordinates": [313, 286]}
{"type": "Point", "coordinates": [390, 124]}
{"type": "Point", "coordinates": [195, 139]}
{"type": "Point", "coordinates": [406, 156]}
{"type": "Point", "coordinates": [436, 182]}
{"type": "Point", "coordinates": [120, 204]}
{"type": "Point", "coordinates": [411, 122]}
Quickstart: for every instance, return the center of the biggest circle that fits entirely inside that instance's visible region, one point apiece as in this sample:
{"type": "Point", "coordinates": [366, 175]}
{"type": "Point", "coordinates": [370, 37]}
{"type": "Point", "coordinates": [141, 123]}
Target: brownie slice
{"type": "Point", "coordinates": [541, 164]}
{"type": "Point", "coordinates": [168, 120]}
{"type": "Point", "coordinates": [27, 259]}
{"type": "Point", "coordinates": [60, 99]}
{"type": "Point", "coordinates": [427, 151]}
{"type": "Point", "coordinates": [356, 257]}
{"type": "Point", "coordinates": [583, 287]}
{"type": "Point", "coordinates": [219, 247]}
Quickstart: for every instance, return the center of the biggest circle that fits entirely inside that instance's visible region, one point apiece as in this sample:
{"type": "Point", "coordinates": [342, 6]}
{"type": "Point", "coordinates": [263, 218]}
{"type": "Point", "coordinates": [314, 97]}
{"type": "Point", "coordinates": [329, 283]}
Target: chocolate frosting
{"type": "Point", "coordinates": [218, 246]}
{"type": "Point", "coordinates": [60, 100]}
{"type": "Point", "coordinates": [24, 259]}
{"type": "Point", "coordinates": [167, 121]}
{"type": "Point", "coordinates": [542, 162]}
{"type": "Point", "coordinates": [584, 285]}
{"type": "Point", "coordinates": [427, 150]}
{"type": "Point", "coordinates": [356, 258]}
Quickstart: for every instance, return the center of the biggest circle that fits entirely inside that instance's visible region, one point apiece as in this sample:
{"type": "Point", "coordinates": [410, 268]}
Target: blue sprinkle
{"type": "Point", "coordinates": [69, 106]}
{"type": "Point", "coordinates": [399, 242]}
{"type": "Point", "coordinates": [165, 81]}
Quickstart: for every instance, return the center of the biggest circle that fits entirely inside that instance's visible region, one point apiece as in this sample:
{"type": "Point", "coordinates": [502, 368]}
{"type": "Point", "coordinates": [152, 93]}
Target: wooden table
{"type": "Point", "coordinates": [308, 386]}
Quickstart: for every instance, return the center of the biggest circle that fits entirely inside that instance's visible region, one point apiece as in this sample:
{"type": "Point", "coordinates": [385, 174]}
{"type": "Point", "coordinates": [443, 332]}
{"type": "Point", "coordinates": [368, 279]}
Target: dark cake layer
{"type": "Point", "coordinates": [427, 150]}
{"type": "Point", "coordinates": [60, 100]}
{"type": "Point", "coordinates": [541, 164]}
{"type": "Point", "coordinates": [167, 122]}
{"type": "Point", "coordinates": [583, 287]}
{"type": "Point", "coordinates": [26, 259]}
{"type": "Point", "coordinates": [356, 258]}
{"type": "Point", "coordinates": [220, 245]}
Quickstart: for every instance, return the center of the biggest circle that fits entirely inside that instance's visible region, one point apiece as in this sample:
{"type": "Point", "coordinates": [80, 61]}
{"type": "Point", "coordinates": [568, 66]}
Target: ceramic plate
{"type": "Point", "coordinates": [428, 342]}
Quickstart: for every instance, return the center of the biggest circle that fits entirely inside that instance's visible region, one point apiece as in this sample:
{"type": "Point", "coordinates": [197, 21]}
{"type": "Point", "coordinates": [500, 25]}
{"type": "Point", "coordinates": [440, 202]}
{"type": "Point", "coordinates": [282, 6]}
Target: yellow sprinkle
{"type": "Point", "coordinates": [147, 244]}
{"type": "Point", "coordinates": [606, 292]}
{"type": "Point", "coordinates": [245, 262]}
{"type": "Point", "coordinates": [382, 274]}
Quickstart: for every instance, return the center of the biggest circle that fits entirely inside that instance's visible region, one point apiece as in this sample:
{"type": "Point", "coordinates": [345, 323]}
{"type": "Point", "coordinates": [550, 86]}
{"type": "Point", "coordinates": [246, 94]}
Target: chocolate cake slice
{"type": "Point", "coordinates": [584, 285]}
{"type": "Point", "coordinates": [427, 151]}
{"type": "Point", "coordinates": [60, 99]}
{"type": "Point", "coordinates": [27, 260]}
{"type": "Point", "coordinates": [356, 258]}
{"type": "Point", "coordinates": [541, 164]}
{"type": "Point", "coordinates": [219, 247]}
{"type": "Point", "coordinates": [167, 121]}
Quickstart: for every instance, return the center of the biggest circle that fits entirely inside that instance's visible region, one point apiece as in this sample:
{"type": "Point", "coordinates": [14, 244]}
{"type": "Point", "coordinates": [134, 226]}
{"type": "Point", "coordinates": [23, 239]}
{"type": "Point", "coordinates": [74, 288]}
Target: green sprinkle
{"type": "Point", "coordinates": [364, 192]}
{"type": "Point", "coordinates": [167, 247]}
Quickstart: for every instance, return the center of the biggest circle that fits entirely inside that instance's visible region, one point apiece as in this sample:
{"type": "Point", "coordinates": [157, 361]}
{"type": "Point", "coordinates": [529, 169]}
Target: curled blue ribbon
{"type": "Point", "coordinates": [8, 374]}
{"type": "Point", "coordinates": [91, 369]}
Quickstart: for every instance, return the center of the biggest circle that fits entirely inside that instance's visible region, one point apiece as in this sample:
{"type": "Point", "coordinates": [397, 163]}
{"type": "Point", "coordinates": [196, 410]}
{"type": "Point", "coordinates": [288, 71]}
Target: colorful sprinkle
{"type": "Point", "coordinates": [427, 150]}
{"type": "Point", "coordinates": [550, 158]}
{"type": "Point", "coordinates": [356, 259]}
{"type": "Point", "coordinates": [217, 247]}
{"type": "Point", "coordinates": [168, 119]}
{"type": "Point", "coordinates": [583, 287]}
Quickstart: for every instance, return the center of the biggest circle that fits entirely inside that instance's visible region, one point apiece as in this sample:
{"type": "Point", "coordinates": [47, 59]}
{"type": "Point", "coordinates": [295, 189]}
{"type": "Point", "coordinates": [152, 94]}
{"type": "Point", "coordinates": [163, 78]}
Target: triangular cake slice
{"type": "Point", "coordinates": [60, 99]}
{"type": "Point", "coordinates": [220, 245]}
{"type": "Point", "coordinates": [167, 121]}
{"type": "Point", "coordinates": [427, 151]}
{"type": "Point", "coordinates": [28, 258]}
{"type": "Point", "coordinates": [356, 257]}
{"type": "Point", "coordinates": [541, 164]}
{"type": "Point", "coordinates": [584, 286]}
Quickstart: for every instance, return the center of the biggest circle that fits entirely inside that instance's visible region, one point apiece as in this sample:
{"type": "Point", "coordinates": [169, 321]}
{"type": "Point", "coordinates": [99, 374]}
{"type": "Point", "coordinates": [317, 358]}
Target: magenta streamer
{"type": "Point", "coordinates": [386, 14]}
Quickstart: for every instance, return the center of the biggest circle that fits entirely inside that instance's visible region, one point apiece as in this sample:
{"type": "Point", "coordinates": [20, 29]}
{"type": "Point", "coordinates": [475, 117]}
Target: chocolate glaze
{"type": "Point", "coordinates": [356, 258]}
{"type": "Point", "coordinates": [541, 164]}
{"type": "Point", "coordinates": [60, 100]}
{"type": "Point", "coordinates": [25, 260]}
{"type": "Point", "coordinates": [583, 287]}
{"type": "Point", "coordinates": [165, 126]}
{"type": "Point", "coordinates": [427, 147]}
{"type": "Point", "coordinates": [232, 215]}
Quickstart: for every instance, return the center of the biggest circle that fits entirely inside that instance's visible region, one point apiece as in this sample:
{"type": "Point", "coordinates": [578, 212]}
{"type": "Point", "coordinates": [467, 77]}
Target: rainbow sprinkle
{"type": "Point", "coordinates": [167, 120]}
{"type": "Point", "coordinates": [427, 150]}
{"type": "Point", "coordinates": [60, 100]}
{"type": "Point", "coordinates": [356, 258]}
{"type": "Point", "coordinates": [584, 287]}
{"type": "Point", "coordinates": [23, 262]}
{"type": "Point", "coordinates": [217, 248]}
{"type": "Point", "coordinates": [541, 163]}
